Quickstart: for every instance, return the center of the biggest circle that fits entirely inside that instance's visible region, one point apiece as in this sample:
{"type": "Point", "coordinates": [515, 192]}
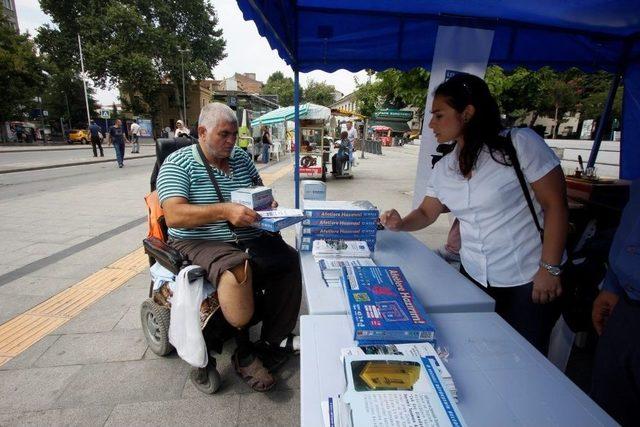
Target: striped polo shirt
{"type": "Point", "coordinates": [184, 175]}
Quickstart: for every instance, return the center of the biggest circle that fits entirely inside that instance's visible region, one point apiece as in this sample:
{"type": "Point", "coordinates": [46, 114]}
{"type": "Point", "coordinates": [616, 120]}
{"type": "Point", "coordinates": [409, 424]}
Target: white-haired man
{"type": "Point", "coordinates": [244, 262]}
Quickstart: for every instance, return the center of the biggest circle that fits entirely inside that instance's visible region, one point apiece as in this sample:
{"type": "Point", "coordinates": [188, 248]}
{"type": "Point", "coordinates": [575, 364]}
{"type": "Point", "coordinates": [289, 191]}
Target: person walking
{"type": "Point", "coordinates": [118, 138]}
{"type": "Point", "coordinates": [266, 143]}
{"type": "Point", "coordinates": [502, 250]}
{"type": "Point", "coordinates": [96, 138]}
{"type": "Point", "coordinates": [135, 134]}
{"type": "Point", "coordinates": [352, 135]}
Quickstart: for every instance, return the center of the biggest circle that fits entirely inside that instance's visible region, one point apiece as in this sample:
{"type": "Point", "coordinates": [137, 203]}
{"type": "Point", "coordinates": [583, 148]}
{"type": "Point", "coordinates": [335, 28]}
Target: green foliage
{"type": "Point", "coordinates": [64, 97]}
{"type": "Point", "coordinates": [21, 77]}
{"type": "Point", "coordinates": [319, 93]}
{"type": "Point", "coordinates": [135, 44]}
{"type": "Point", "coordinates": [278, 84]}
{"type": "Point", "coordinates": [394, 89]}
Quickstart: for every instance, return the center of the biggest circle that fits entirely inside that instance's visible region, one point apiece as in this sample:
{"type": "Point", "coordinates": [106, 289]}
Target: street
{"type": "Point", "coordinates": [78, 229]}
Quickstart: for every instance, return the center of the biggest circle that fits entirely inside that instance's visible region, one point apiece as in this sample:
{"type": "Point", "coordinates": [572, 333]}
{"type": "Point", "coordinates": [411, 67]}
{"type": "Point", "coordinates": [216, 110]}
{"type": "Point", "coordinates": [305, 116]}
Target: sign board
{"type": "Point", "coordinates": [391, 114]}
{"type": "Point", "coordinates": [45, 113]}
{"type": "Point", "coordinates": [587, 129]}
{"type": "Point", "coordinates": [105, 114]}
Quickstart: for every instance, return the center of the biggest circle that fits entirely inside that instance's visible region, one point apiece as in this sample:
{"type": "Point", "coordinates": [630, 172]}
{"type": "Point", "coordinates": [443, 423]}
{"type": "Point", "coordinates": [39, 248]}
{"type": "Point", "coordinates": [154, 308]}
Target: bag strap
{"type": "Point", "coordinates": [214, 181]}
{"type": "Point", "coordinates": [212, 177]}
{"type": "Point", "coordinates": [523, 183]}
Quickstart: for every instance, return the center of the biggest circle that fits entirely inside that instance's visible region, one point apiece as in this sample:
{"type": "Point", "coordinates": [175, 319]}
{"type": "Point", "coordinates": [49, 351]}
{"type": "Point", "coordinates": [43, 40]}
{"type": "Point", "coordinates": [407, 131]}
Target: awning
{"type": "Point", "coordinates": [394, 125]}
{"type": "Point", "coordinates": [307, 111]}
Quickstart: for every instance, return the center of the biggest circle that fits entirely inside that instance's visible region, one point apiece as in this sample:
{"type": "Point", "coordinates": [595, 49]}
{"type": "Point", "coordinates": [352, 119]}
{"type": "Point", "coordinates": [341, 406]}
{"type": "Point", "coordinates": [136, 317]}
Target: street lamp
{"type": "Point", "coordinates": [184, 99]}
{"type": "Point", "coordinates": [44, 135]}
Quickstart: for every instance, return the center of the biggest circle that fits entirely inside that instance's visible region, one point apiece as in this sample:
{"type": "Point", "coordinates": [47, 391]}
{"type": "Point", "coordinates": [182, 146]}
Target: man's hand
{"type": "Point", "coordinates": [239, 215]}
{"type": "Point", "coordinates": [392, 220]}
{"type": "Point", "coordinates": [602, 308]}
{"type": "Point", "coordinates": [546, 287]}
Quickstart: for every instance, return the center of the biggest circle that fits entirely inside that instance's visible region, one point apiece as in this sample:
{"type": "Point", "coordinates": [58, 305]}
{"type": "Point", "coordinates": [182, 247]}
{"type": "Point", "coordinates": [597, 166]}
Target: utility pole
{"type": "Point", "coordinates": [184, 96]}
{"type": "Point", "coordinates": [84, 82]}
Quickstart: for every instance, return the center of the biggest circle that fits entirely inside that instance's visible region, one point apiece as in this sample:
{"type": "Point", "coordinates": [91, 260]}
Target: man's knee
{"type": "Point", "coordinates": [235, 293]}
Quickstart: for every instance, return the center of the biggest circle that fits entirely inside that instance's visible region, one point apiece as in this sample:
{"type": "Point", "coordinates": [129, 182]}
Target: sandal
{"type": "Point", "coordinates": [272, 358]}
{"type": "Point", "coordinates": [255, 374]}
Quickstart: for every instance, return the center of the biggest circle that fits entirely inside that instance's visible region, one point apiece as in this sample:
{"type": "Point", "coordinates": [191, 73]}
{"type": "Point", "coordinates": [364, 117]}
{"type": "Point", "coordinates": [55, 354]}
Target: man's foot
{"type": "Point", "coordinates": [253, 372]}
{"type": "Point", "coordinates": [120, 165]}
{"type": "Point", "coordinates": [206, 379]}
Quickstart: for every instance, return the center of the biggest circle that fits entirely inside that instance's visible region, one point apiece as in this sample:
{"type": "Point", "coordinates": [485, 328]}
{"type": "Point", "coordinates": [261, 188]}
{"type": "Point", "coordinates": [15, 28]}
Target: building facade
{"type": "Point", "coordinates": [9, 12]}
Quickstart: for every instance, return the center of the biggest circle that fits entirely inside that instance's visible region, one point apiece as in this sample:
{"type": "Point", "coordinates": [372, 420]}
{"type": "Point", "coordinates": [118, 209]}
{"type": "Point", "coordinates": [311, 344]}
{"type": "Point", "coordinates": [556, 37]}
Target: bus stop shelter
{"type": "Point", "coordinates": [356, 34]}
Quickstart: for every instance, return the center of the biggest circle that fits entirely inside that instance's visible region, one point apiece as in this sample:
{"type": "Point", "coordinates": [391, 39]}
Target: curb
{"type": "Point", "coordinates": [64, 165]}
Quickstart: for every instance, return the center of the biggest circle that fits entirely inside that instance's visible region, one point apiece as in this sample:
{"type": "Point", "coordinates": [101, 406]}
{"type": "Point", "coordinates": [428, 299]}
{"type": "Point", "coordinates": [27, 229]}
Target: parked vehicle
{"type": "Point", "coordinates": [78, 135]}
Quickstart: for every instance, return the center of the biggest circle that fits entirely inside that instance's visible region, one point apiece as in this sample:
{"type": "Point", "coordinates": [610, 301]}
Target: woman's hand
{"type": "Point", "coordinates": [274, 205]}
{"type": "Point", "coordinates": [546, 287]}
{"type": "Point", "coordinates": [392, 220]}
{"type": "Point", "coordinates": [602, 308]}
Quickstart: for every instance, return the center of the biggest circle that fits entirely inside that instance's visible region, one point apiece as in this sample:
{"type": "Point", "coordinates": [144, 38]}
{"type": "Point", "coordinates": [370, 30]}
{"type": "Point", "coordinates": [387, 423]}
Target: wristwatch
{"type": "Point", "coordinates": [554, 270]}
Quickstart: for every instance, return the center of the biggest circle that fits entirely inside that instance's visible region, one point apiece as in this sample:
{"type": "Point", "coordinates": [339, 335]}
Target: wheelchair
{"type": "Point", "coordinates": [155, 311]}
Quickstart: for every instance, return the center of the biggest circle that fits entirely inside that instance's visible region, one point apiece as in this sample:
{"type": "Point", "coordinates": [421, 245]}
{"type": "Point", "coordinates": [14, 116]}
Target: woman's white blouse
{"type": "Point", "coordinates": [500, 243]}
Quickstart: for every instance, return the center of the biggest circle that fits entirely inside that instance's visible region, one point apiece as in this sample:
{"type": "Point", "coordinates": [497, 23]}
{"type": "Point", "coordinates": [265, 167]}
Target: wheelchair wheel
{"type": "Point", "coordinates": [155, 325]}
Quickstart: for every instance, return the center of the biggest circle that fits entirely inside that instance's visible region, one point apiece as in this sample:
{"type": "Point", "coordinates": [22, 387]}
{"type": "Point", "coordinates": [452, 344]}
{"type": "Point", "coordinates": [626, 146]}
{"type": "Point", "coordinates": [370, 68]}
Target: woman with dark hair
{"type": "Point", "coordinates": [502, 249]}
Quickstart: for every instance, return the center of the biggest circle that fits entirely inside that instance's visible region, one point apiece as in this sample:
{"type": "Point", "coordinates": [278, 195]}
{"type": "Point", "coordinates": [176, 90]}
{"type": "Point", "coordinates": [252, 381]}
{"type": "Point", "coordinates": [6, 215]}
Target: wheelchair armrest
{"type": "Point", "coordinates": [168, 257]}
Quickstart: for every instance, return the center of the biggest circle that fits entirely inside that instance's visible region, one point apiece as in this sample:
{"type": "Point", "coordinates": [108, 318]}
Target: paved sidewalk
{"type": "Point", "coordinates": [97, 368]}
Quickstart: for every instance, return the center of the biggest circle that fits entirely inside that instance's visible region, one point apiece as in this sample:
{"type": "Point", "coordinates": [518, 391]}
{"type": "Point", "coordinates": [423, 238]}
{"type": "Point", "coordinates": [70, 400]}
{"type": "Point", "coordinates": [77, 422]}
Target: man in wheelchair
{"type": "Point", "coordinates": [256, 273]}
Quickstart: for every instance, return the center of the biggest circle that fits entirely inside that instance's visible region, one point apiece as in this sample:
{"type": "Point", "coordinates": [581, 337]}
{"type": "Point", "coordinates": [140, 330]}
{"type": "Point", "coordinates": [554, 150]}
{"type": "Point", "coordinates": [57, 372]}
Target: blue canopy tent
{"type": "Point", "coordinates": [379, 34]}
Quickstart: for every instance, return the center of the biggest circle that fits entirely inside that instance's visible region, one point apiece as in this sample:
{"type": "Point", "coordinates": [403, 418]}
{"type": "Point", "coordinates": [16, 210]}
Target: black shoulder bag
{"type": "Point", "coordinates": [579, 290]}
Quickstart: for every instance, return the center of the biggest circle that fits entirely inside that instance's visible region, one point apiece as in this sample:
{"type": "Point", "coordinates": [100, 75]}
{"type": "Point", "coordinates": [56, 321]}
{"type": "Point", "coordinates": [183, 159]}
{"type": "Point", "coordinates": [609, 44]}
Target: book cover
{"type": "Point", "coordinates": [340, 231]}
{"type": "Point", "coordinates": [307, 242]}
{"type": "Point", "coordinates": [277, 223]}
{"type": "Point", "coordinates": [340, 209]}
{"type": "Point", "coordinates": [368, 223]}
{"type": "Point", "coordinates": [396, 390]}
{"type": "Point", "coordinates": [383, 307]}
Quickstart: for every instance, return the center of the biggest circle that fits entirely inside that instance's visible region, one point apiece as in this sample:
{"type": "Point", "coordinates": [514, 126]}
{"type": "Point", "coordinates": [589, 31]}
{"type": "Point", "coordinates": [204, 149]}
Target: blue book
{"type": "Point", "coordinates": [342, 231]}
{"type": "Point", "coordinates": [277, 224]}
{"type": "Point", "coordinates": [367, 223]}
{"type": "Point", "coordinates": [383, 307]}
{"type": "Point", "coordinates": [340, 209]}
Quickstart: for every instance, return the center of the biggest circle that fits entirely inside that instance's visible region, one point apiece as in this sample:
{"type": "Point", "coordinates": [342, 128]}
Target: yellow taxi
{"type": "Point", "coordinates": [78, 135]}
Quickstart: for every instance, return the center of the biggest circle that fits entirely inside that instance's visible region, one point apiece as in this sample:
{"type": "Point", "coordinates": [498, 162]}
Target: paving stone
{"type": "Point", "coordinates": [36, 285]}
{"type": "Point", "coordinates": [28, 357]}
{"type": "Point", "coordinates": [274, 408]}
{"type": "Point", "coordinates": [130, 320]}
{"type": "Point", "coordinates": [125, 382]}
{"type": "Point", "coordinates": [13, 305]}
{"type": "Point", "coordinates": [83, 349]}
{"type": "Point", "coordinates": [86, 416]}
{"type": "Point", "coordinates": [34, 389]}
{"type": "Point", "coordinates": [212, 410]}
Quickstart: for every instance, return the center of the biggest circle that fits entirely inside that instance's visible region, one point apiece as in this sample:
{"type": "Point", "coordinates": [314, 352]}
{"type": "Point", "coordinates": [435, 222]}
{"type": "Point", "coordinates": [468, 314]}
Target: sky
{"type": "Point", "coordinates": [247, 52]}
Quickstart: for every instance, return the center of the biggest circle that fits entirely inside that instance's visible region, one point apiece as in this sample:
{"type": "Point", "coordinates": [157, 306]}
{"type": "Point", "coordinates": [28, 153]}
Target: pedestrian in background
{"type": "Point", "coordinates": [266, 143]}
{"type": "Point", "coordinates": [135, 134]}
{"type": "Point", "coordinates": [96, 139]}
{"type": "Point", "coordinates": [352, 134]}
{"type": "Point", "coordinates": [181, 129]}
{"type": "Point", "coordinates": [118, 138]}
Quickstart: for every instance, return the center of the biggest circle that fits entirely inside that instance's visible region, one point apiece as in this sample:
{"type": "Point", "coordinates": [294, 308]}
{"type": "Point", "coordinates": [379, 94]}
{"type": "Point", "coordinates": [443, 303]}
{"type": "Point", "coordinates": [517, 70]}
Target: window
{"type": "Point", "coordinates": [8, 4]}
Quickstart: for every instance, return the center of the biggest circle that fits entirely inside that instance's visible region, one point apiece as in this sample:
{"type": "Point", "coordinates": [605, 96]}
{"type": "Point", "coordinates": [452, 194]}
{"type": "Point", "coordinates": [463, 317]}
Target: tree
{"type": "Point", "coordinates": [319, 93]}
{"type": "Point", "coordinates": [135, 44]}
{"type": "Point", "coordinates": [64, 97]}
{"type": "Point", "coordinates": [21, 77]}
{"type": "Point", "coordinates": [278, 84]}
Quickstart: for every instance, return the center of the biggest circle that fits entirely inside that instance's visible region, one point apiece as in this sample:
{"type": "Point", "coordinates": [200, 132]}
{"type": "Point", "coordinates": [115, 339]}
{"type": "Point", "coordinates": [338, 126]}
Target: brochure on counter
{"type": "Point", "coordinates": [341, 248]}
{"type": "Point", "coordinates": [383, 307]}
{"type": "Point", "coordinates": [331, 268]}
{"type": "Point", "coordinates": [391, 391]}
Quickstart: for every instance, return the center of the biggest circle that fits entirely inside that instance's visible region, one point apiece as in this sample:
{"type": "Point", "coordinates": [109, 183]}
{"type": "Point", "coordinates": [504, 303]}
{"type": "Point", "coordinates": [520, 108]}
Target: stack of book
{"type": "Point", "coordinates": [383, 307]}
{"type": "Point", "coordinates": [331, 268]}
{"type": "Point", "coordinates": [338, 220]}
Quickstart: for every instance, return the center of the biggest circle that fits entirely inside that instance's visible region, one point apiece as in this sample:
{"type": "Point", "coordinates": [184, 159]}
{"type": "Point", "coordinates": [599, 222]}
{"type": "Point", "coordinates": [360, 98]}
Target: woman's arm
{"type": "Point", "coordinates": [551, 193]}
{"type": "Point", "coordinates": [419, 218]}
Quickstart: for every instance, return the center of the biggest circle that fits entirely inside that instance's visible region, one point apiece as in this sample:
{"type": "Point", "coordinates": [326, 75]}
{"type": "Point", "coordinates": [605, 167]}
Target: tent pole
{"type": "Point", "coordinates": [603, 120]}
{"type": "Point", "coordinates": [296, 118]}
